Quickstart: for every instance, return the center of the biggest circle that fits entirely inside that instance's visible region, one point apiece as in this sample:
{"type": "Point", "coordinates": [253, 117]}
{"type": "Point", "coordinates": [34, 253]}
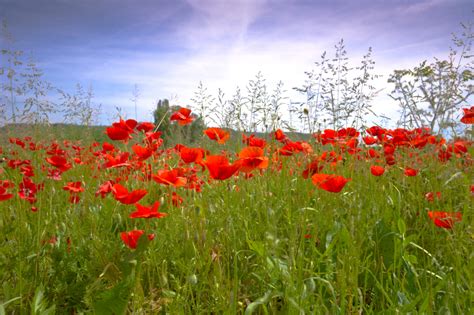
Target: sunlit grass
{"type": "Point", "coordinates": [266, 244]}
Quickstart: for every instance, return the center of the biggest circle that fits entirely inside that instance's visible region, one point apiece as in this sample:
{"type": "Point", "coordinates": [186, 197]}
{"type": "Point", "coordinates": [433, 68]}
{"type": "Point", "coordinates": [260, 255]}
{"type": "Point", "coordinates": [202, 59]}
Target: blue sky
{"type": "Point", "coordinates": [167, 47]}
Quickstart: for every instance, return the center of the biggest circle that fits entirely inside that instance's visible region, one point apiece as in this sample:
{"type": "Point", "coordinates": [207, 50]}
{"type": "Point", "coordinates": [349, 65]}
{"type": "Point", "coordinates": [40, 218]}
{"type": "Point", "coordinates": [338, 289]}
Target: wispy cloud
{"type": "Point", "coordinates": [167, 47]}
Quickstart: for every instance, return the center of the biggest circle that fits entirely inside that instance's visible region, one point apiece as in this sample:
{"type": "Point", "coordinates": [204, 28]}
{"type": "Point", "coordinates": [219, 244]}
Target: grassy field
{"type": "Point", "coordinates": [266, 240]}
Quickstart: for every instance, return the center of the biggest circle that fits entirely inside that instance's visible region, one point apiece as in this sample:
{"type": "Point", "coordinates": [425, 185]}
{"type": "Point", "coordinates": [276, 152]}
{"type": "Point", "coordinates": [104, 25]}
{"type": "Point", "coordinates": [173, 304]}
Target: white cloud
{"type": "Point", "coordinates": [225, 43]}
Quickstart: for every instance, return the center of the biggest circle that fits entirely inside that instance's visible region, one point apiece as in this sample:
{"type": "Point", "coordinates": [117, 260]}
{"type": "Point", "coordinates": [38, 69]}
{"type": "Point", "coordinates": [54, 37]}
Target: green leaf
{"type": "Point", "coordinates": [401, 226]}
{"type": "Point", "coordinates": [384, 243]}
{"type": "Point", "coordinates": [260, 301]}
{"type": "Point", "coordinates": [115, 300]}
{"type": "Point", "coordinates": [257, 247]}
{"type": "Point", "coordinates": [40, 304]}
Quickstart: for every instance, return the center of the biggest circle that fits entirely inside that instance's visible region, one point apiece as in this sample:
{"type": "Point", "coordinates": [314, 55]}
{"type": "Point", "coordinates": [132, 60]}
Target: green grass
{"type": "Point", "coordinates": [273, 243]}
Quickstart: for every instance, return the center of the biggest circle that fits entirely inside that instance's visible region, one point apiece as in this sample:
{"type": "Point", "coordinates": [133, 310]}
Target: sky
{"type": "Point", "coordinates": [166, 47]}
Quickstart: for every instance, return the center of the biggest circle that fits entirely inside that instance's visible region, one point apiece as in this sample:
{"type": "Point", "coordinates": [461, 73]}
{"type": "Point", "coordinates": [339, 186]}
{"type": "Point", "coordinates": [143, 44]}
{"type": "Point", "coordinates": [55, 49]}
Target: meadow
{"type": "Point", "coordinates": [346, 221]}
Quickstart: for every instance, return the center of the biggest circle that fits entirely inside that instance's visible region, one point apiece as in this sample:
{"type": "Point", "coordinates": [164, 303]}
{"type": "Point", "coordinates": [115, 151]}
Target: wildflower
{"type": "Point", "coordinates": [4, 195]}
{"type": "Point", "coordinates": [122, 195]}
{"type": "Point", "coordinates": [217, 134]}
{"type": "Point", "coordinates": [252, 158]}
{"type": "Point", "coordinates": [145, 126]}
{"type": "Point", "coordinates": [182, 116]}
{"type": "Point", "coordinates": [142, 153]}
{"type": "Point", "coordinates": [280, 136]}
{"type": "Point", "coordinates": [468, 117]}
{"type": "Point", "coordinates": [253, 141]}
{"type": "Point", "coordinates": [176, 199]}
{"type": "Point", "coordinates": [147, 212]}
{"type": "Point", "coordinates": [443, 219]}
{"type": "Point", "coordinates": [377, 170]}
{"type": "Point", "coordinates": [410, 172]}
{"type": "Point", "coordinates": [59, 162]}
{"type": "Point", "coordinates": [430, 196]}
{"type": "Point", "coordinates": [171, 177]}
{"type": "Point", "coordinates": [331, 183]}
{"type": "Point", "coordinates": [131, 238]}
{"type": "Point", "coordinates": [74, 187]}
{"type": "Point", "coordinates": [191, 155]}
{"type": "Point", "coordinates": [121, 130]}
{"type": "Point", "coordinates": [312, 168]}
{"type": "Point", "coordinates": [219, 167]}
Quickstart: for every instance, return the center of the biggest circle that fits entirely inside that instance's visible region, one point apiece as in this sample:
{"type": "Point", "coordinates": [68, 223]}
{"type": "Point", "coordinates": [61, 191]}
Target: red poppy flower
{"type": "Point", "coordinates": [331, 183]}
{"type": "Point", "coordinates": [217, 134]}
{"type": "Point", "coordinates": [143, 153]}
{"type": "Point", "coordinates": [191, 155]}
{"type": "Point", "coordinates": [28, 190]}
{"type": "Point", "coordinates": [17, 163]}
{"type": "Point", "coordinates": [145, 126]}
{"type": "Point", "coordinates": [131, 238]}
{"type": "Point", "coordinates": [74, 187]}
{"type": "Point", "coordinates": [444, 155]}
{"type": "Point", "coordinates": [147, 212]}
{"type": "Point", "coordinates": [176, 199]}
{"type": "Point", "coordinates": [410, 171]}
{"type": "Point", "coordinates": [443, 219]}
{"type": "Point", "coordinates": [280, 136]}
{"type": "Point", "coordinates": [390, 159]}
{"type": "Point", "coordinates": [120, 160]}
{"type": "Point", "coordinates": [312, 168]}
{"type": "Point", "coordinates": [107, 147]}
{"type": "Point", "coordinates": [430, 196]}
{"type": "Point", "coordinates": [182, 116]}
{"type": "Point", "coordinates": [121, 130]}
{"type": "Point", "coordinates": [252, 158]}
{"type": "Point", "coordinates": [171, 177]}
{"type": "Point", "coordinates": [468, 117]}
{"type": "Point", "coordinates": [27, 170]}
{"type": "Point", "coordinates": [219, 167]}
{"type": "Point", "coordinates": [128, 124]}
{"type": "Point", "coordinates": [74, 198]}
{"type": "Point", "coordinates": [253, 141]}
{"type": "Point", "coordinates": [369, 140]}
{"type": "Point", "coordinates": [59, 162]}
{"type": "Point", "coordinates": [118, 134]}
{"type": "Point", "coordinates": [4, 195]}
{"type": "Point", "coordinates": [122, 195]}
{"type": "Point", "coordinates": [459, 147]}
{"type": "Point", "coordinates": [291, 147]}
{"type": "Point", "coordinates": [377, 170]}
{"type": "Point", "coordinates": [104, 189]}
{"type": "Point", "coordinates": [6, 184]}
{"type": "Point", "coordinates": [372, 153]}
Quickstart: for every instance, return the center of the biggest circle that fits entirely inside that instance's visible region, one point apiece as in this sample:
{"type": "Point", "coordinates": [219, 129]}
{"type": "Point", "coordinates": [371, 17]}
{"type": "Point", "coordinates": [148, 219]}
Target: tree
{"type": "Point", "coordinates": [432, 94]}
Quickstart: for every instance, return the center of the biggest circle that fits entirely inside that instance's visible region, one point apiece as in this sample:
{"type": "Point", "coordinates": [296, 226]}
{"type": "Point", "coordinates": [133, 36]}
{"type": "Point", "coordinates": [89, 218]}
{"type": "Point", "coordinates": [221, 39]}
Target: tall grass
{"type": "Point", "coordinates": [272, 243]}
